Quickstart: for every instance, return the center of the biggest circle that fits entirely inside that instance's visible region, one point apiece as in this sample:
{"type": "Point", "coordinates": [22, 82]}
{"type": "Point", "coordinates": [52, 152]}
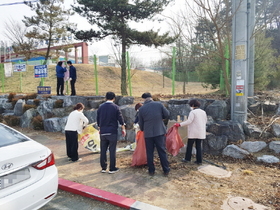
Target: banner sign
{"type": "Point", "coordinates": [43, 89]}
{"type": "Point", "coordinates": [8, 69]}
{"type": "Point", "coordinates": [19, 67]}
{"type": "Point", "coordinates": [40, 71]}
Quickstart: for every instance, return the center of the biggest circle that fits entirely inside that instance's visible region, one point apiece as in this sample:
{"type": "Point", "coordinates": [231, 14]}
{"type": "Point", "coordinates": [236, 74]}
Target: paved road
{"type": "Point", "coordinates": [67, 201]}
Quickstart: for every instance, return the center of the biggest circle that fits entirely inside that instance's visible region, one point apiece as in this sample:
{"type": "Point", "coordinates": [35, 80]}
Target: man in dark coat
{"type": "Point", "coordinates": [73, 77]}
{"type": "Point", "coordinates": [151, 116]}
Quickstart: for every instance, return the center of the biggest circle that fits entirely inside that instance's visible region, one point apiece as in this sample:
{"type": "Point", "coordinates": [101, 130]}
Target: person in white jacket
{"type": "Point", "coordinates": [75, 123]}
{"type": "Point", "coordinates": [196, 123]}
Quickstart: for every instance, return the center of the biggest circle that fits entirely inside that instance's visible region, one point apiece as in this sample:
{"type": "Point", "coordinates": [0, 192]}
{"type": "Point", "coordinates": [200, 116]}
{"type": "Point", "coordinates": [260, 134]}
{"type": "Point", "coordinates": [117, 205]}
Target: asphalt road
{"type": "Point", "coordinates": [65, 200]}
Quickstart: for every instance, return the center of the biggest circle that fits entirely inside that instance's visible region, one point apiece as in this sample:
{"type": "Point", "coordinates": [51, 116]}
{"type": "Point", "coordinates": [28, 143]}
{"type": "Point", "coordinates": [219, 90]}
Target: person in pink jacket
{"type": "Point", "coordinates": [196, 123]}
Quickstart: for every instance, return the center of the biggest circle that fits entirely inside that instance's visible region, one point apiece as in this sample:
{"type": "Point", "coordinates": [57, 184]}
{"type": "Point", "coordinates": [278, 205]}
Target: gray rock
{"type": "Point", "coordinates": [276, 129]}
{"type": "Point", "coordinates": [7, 105]}
{"type": "Point", "coordinates": [255, 108]}
{"type": "Point", "coordinates": [94, 104]}
{"type": "Point", "coordinates": [218, 110]}
{"type": "Point", "coordinates": [235, 152]}
{"type": "Point", "coordinates": [126, 100]}
{"type": "Point", "coordinates": [26, 118]}
{"type": "Point", "coordinates": [52, 124]}
{"type": "Point", "coordinates": [45, 107]}
{"type": "Point", "coordinates": [91, 115]}
{"type": "Point", "coordinates": [275, 146]}
{"type": "Point", "coordinates": [251, 130]}
{"type": "Point", "coordinates": [210, 121]}
{"type": "Point", "coordinates": [268, 159]}
{"type": "Point", "coordinates": [233, 130]}
{"type": "Point", "coordinates": [253, 146]}
{"type": "Point", "coordinates": [18, 109]}
{"type": "Point", "coordinates": [128, 113]}
{"type": "Point", "coordinates": [130, 135]}
{"type": "Point", "coordinates": [214, 144]}
{"type": "Point", "coordinates": [269, 106]}
{"type": "Point", "coordinates": [175, 110]}
{"type": "Point", "coordinates": [73, 100]}
{"type": "Point", "coordinates": [62, 122]}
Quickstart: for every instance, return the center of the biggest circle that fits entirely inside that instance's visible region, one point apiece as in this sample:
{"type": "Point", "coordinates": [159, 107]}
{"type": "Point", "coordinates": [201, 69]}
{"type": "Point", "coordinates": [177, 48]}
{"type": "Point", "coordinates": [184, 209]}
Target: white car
{"type": "Point", "coordinates": [28, 175]}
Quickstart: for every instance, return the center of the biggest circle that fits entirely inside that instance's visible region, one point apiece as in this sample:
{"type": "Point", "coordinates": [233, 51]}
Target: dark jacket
{"type": "Point", "coordinates": [108, 117]}
{"type": "Point", "coordinates": [73, 73]}
{"type": "Point", "coordinates": [60, 71]}
{"type": "Point", "coordinates": [151, 116]}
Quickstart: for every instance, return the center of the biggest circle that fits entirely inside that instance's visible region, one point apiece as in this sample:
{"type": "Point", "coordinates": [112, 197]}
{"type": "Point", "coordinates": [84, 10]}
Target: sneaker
{"type": "Point", "coordinates": [77, 160]}
{"type": "Point", "coordinates": [185, 161]}
{"type": "Point", "coordinates": [197, 163]}
{"type": "Point", "coordinates": [114, 171]}
{"type": "Point", "coordinates": [103, 171]}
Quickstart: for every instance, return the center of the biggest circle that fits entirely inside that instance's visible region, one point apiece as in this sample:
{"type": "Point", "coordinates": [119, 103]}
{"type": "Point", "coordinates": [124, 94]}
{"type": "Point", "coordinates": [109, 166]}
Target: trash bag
{"type": "Point", "coordinates": [173, 141]}
{"type": "Point", "coordinates": [139, 156]}
{"type": "Point", "coordinates": [90, 138]}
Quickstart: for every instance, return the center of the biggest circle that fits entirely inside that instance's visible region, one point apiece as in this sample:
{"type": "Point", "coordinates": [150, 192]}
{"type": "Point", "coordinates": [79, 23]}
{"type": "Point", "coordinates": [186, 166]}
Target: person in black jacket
{"type": "Point", "coordinates": [151, 116]}
{"type": "Point", "coordinates": [60, 78]}
{"type": "Point", "coordinates": [72, 77]}
{"type": "Point", "coordinates": [109, 117]}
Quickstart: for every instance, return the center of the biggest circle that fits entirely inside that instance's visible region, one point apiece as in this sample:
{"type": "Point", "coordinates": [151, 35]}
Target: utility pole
{"type": "Point", "coordinates": [239, 77]}
{"type": "Point", "coordinates": [251, 6]}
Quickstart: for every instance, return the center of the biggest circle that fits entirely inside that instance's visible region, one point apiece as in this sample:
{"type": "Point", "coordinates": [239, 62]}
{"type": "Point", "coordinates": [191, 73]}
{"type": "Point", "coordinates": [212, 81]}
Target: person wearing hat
{"type": "Point", "coordinates": [151, 116]}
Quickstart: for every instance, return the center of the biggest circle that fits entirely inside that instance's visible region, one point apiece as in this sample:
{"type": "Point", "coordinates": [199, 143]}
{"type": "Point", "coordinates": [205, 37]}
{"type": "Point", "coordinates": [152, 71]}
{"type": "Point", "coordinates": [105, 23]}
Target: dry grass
{"type": "Point", "coordinates": [108, 80]}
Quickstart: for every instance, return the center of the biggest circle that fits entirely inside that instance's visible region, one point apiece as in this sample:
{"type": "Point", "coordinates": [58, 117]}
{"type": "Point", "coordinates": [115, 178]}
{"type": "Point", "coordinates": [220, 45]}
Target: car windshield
{"type": "Point", "coordinates": [9, 136]}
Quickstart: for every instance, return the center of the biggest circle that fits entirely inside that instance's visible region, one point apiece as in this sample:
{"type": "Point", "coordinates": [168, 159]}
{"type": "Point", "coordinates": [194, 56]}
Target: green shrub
{"type": "Point", "coordinates": [37, 123]}
{"type": "Point", "coordinates": [27, 106]}
{"type": "Point", "coordinates": [12, 120]}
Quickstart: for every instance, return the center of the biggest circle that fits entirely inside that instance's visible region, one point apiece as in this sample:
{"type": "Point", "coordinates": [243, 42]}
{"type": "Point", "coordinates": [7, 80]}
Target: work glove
{"type": "Point", "coordinates": [177, 125]}
{"type": "Point", "coordinates": [123, 133]}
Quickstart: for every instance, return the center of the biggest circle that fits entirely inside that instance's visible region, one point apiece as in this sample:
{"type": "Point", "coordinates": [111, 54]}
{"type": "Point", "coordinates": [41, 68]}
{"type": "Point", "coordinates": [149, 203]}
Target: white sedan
{"type": "Point", "coordinates": [28, 175]}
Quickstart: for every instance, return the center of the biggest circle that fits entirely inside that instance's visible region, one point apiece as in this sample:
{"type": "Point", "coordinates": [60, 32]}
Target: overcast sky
{"type": "Point", "coordinates": [17, 11]}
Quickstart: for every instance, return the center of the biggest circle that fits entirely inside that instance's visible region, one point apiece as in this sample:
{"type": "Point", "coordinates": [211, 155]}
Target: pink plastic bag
{"type": "Point", "coordinates": [139, 156]}
{"type": "Point", "coordinates": [173, 141]}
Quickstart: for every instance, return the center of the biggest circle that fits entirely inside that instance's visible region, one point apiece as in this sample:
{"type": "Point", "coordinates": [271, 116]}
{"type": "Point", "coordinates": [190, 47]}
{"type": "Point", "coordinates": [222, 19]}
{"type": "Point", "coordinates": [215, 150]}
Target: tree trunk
{"type": "Point", "coordinates": [123, 69]}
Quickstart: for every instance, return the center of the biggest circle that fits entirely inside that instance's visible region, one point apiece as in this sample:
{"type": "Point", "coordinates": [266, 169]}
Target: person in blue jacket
{"type": "Point", "coordinates": [60, 78]}
{"type": "Point", "coordinates": [73, 77]}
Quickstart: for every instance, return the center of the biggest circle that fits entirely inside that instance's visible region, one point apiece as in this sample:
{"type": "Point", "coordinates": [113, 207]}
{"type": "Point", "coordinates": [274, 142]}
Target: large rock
{"type": "Point", "coordinates": [46, 108]}
{"type": "Point", "coordinates": [91, 115]}
{"type": "Point", "coordinates": [62, 121]}
{"type": "Point", "coordinates": [214, 144]}
{"type": "Point", "coordinates": [178, 108]}
{"type": "Point", "coordinates": [126, 100]}
{"type": "Point", "coordinates": [128, 113]}
{"type": "Point", "coordinates": [268, 159]}
{"type": "Point", "coordinates": [276, 129]}
{"type": "Point", "coordinates": [26, 118]}
{"type": "Point", "coordinates": [52, 124]}
{"type": "Point", "coordinates": [233, 130]}
{"type": "Point", "coordinates": [218, 110]}
{"type": "Point", "coordinates": [269, 106]}
{"type": "Point", "coordinates": [18, 109]}
{"type": "Point", "coordinates": [73, 100]}
{"type": "Point", "coordinates": [235, 152]}
{"type": "Point", "coordinates": [251, 130]}
{"type": "Point", "coordinates": [255, 108]}
{"type": "Point", "coordinates": [253, 146]}
{"type": "Point", "coordinates": [275, 146]}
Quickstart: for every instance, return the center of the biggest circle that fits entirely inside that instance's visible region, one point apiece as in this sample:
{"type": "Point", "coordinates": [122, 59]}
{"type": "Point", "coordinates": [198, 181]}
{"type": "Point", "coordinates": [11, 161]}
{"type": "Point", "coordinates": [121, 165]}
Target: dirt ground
{"type": "Point", "coordinates": [184, 188]}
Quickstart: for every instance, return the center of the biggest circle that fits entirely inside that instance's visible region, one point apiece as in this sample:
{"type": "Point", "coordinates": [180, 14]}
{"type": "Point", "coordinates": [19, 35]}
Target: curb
{"type": "Point", "coordinates": [104, 196]}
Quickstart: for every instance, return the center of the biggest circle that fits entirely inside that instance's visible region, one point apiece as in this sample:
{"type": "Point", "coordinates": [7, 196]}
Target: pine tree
{"type": "Point", "coordinates": [49, 24]}
{"type": "Point", "coordinates": [112, 17]}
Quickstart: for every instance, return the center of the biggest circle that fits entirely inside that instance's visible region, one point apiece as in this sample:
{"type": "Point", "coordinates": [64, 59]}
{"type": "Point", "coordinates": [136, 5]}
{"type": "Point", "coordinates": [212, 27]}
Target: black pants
{"type": "Point", "coordinates": [108, 141]}
{"type": "Point", "coordinates": [72, 145]}
{"type": "Point", "coordinates": [159, 143]}
{"type": "Point", "coordinates": [73, 90]}
{"type": "Point", "coordinates": [60, 86]}
{"type": "Point", "coordinates": [198, 150]}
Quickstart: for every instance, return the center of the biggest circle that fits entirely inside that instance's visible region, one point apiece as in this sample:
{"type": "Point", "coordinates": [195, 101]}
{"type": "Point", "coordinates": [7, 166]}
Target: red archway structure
{"type": "Point", "coordinates": [84, 46]}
